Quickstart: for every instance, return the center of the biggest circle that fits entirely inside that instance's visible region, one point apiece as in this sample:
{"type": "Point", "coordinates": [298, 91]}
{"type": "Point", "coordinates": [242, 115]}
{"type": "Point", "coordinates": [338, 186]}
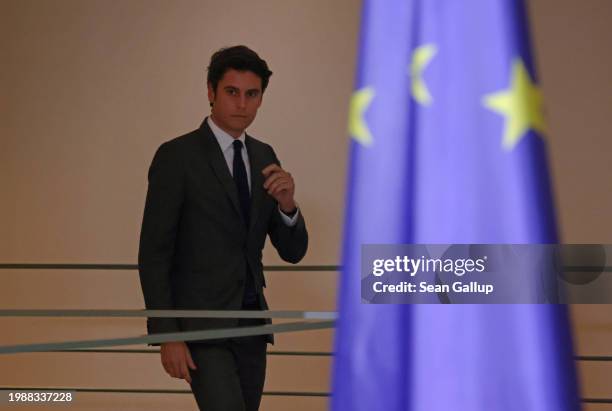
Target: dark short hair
{"type": "Point", "coordinates": [239, 58]}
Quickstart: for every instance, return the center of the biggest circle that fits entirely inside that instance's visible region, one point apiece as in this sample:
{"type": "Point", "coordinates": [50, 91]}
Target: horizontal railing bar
{"type": "Point", "coordinates": [590, 269]}
{"type": "Point", "coordinates": [303, 353]}
{"type": "Point", "coordinates": [267, 393]}
{"type": "Point", "coordinates": [597, 400]}
{"type": "Point", "coordinates": [304, 315]}
{"type": "Point", "coordinates": [156, 351]}
{"type": "Point", "coordinates": [172, 336]}
{"type": "Point", "coordinates": [594, 358]}
{"type": "Point", "coordinates": [88, 266]}
{"type": "Point", "coordinates": [147, 391]}
{"type": "Point", "coordinates": [68, 266]}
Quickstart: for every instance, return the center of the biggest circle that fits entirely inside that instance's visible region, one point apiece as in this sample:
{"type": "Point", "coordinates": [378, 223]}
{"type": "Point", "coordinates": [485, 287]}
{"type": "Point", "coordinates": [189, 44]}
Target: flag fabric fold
{"type": "Point", "coordinates": [447, 146]}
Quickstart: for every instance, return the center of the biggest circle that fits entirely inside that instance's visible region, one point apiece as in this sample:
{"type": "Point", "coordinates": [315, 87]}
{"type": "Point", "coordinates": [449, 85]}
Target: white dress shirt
{"type": "Point", "coordinates": [226, 143]}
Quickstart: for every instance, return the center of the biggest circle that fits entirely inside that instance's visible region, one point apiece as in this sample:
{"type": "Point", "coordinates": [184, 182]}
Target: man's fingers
{"type": "Point", "coordinates": [190, 362]}
{"type": "Point", "coordinates": [177, 360]}
{"type": "Point", "coordinates": [274, 183]}
{"type": "Point", "coordinates": [172, 371]}
{"type": "Point", "coordinates": [285, 183]}
{"type": "Point", "coordinates": [280, 187]}
{"type": "Point", "coordinates": [185, 372]}
{"type": "Point", "coordinates": [270, 168]}
{"type": "Point", "coordinates": [271, 180]}
{"type": "Point", "coordinates": [275, 176]}
{"type": "Point", "coordinates": [169, 366]}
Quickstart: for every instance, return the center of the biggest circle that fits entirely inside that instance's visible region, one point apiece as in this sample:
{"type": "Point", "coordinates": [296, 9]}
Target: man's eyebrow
{"type": "Point", "coordinates": [230, 87]}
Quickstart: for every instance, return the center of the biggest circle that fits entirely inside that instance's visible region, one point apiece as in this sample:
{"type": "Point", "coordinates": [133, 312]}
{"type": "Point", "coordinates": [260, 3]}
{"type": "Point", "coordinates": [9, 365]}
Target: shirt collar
{"type": "Point", "coordinates": [224, 139]}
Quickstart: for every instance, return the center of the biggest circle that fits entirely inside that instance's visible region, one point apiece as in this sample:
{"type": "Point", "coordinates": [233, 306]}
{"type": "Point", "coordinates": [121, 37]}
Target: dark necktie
{"type": "Point", "coordinates": [242, 184]}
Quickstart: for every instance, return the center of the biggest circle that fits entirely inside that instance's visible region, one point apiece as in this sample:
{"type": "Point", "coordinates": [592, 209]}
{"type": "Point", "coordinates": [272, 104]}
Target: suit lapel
{"type": "Point", "coordinates": [217, 161]}
{"type": "Point", "coordinates": [257, 190]}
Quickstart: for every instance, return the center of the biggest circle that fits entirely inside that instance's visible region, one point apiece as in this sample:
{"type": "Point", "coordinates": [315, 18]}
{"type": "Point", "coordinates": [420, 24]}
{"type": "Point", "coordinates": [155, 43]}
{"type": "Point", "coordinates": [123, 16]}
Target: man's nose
{"type": "Point", "coordinates": [242, 101]}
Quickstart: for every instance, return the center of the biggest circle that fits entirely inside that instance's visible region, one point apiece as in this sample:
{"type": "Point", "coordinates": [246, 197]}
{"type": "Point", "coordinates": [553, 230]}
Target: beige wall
{"type": "Point", "coordinates": [572, 43]}
{"type": "Point", "coordinates": [91, 88]}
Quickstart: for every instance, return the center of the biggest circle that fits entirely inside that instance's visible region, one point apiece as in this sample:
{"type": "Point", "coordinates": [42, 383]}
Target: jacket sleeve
{"type": "Point", "coordinates": [291, 243]}
{"type": "Point", "coordinates": [157, 236]}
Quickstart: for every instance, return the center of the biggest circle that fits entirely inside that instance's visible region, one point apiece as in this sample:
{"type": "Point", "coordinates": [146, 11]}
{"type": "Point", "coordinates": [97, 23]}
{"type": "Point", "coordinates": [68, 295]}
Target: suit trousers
{"type": "Point", "coordinates": [229, 375]}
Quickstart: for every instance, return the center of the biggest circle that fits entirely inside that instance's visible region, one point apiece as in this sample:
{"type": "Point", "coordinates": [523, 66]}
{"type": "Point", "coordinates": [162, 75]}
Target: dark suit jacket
{"type": "Point", "coordinates": [194, 244]}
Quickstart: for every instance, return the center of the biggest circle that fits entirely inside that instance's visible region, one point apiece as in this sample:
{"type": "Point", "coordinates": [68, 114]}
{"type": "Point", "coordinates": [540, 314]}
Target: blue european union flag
{"type": "Point", "coordinates": [448, 147]}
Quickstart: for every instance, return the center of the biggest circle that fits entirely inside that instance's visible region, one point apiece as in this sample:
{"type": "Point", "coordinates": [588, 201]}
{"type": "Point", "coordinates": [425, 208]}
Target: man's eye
{"type": "Point", "coordinates": [252, 93]}
{"type": "Point", "coordinates": [231, 92]}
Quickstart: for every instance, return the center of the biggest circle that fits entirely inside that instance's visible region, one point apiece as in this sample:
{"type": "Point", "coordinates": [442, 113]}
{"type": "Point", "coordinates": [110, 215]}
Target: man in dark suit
{"type": "Point", "coordinates": [213, 196]}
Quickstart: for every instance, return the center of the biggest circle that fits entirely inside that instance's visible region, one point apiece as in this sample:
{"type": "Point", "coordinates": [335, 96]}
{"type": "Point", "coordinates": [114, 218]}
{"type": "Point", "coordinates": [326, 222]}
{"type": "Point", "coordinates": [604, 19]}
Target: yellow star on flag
{"type": "Point", "coordinates": [421, 57]}
{"type": "Point", "coordinates": [521, 104]}
{"type": "Point", "coordinates": [357, 127]}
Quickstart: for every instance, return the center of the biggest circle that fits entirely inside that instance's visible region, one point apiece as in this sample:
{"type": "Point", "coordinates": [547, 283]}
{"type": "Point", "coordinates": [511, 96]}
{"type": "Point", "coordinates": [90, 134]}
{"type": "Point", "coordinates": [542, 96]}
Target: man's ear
{"type": "Point", "coordinates": [211, 93]}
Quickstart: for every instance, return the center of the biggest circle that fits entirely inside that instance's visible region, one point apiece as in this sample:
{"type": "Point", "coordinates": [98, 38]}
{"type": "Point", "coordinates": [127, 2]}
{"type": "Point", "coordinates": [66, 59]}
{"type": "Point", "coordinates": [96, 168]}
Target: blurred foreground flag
{"type": "Point", "coordinates": [447, 146]}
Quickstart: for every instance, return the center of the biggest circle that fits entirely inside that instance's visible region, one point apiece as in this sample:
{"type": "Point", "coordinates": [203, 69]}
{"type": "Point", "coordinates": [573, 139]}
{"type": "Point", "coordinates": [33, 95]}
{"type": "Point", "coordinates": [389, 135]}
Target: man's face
{"type": "Point", "coordinates": [236, 100]}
